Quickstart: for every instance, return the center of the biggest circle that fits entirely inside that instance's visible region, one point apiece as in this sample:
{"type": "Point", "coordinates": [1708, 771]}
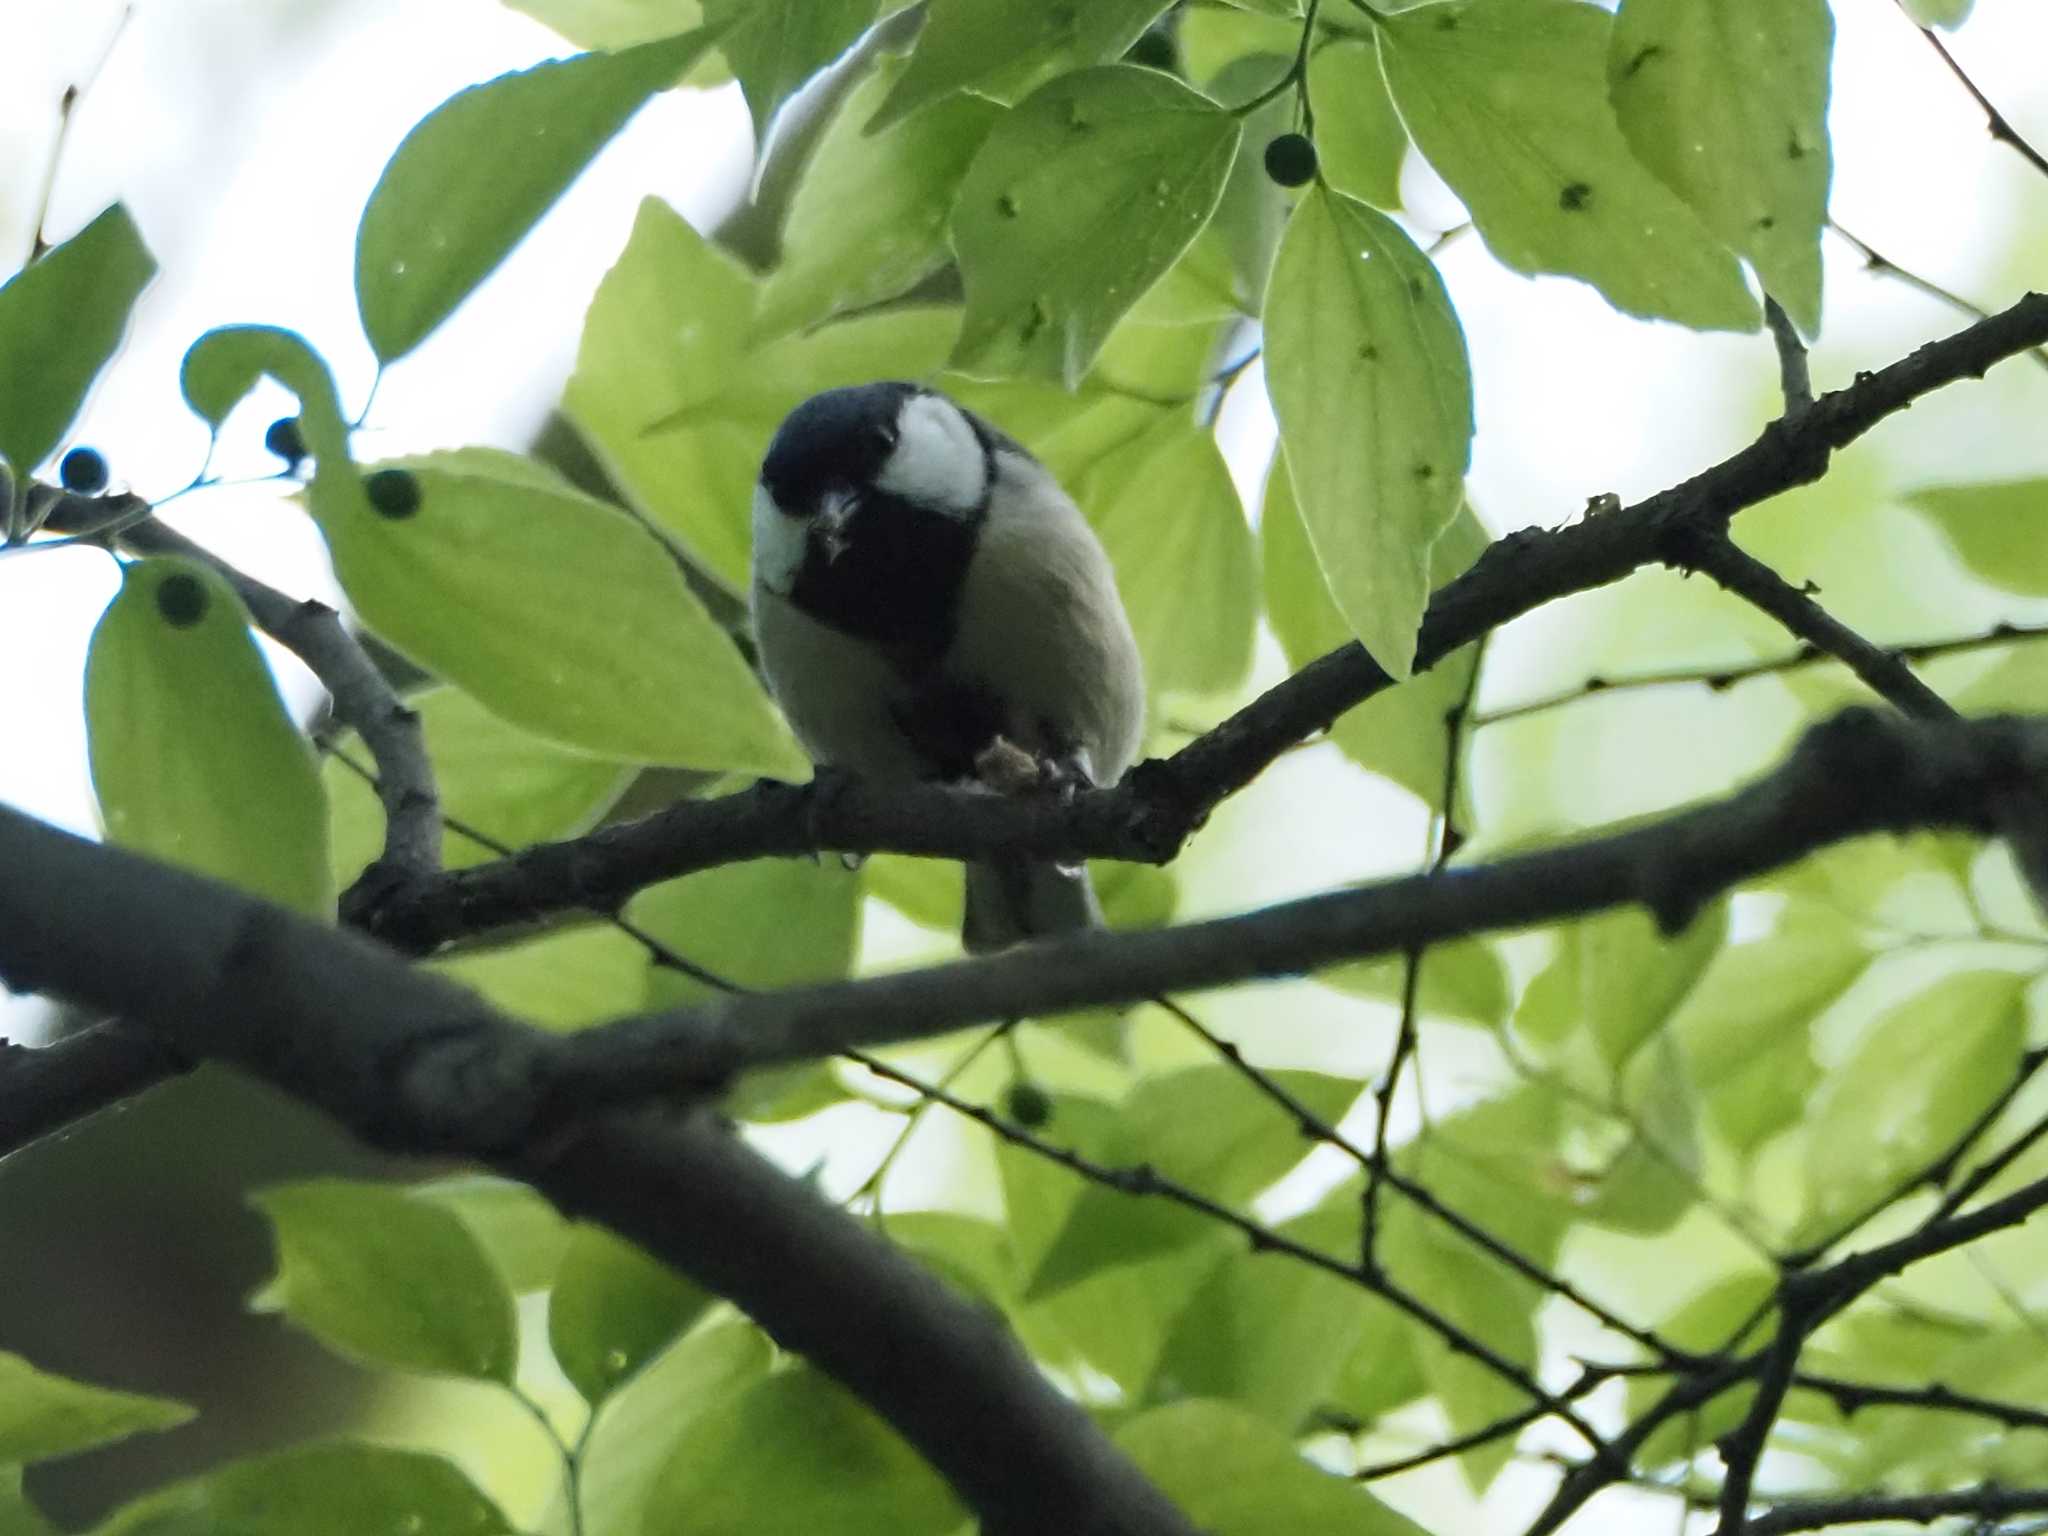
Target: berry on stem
{"type": "Point", "coordinates": [1291, 159]}
{"type": "Point", "coordinates": [83, 472]}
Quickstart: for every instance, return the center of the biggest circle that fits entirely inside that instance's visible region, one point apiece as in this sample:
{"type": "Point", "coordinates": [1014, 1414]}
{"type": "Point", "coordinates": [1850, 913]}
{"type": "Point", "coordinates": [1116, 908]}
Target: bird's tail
{"type": "Point", "coordinates": [1011, 900]}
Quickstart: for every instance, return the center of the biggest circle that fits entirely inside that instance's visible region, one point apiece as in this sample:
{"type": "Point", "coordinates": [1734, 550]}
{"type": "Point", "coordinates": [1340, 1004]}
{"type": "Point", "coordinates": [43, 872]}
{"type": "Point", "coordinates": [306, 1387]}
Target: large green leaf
{"type": "Point", "coordinates": [1168, 514]}
{"type": "Point", "coordinates": [1939, 13]}
{"type": "Point", "coordinates": [338, 1489]}
{"type": "Point", "coordinates": [1402, 733]}
{"type": "Point", "coordinates": [762, 925]}
{"type": "Point", "coordinates": [796, 1452]}
{"type": "Point", "coordinates": [61, 320]}
{"type": "Point", "coordinates": [1359, 138]}
{"type": "Point", "coordinates": [700, 1377]}
{"type": "Point", "coordinates": [557, 612]}
{"type": "Point", "coordinates": [1727, 101]}
{"type": "Point", "coordinates": [1995, 528]}
{"type": "Point", "coordinates": [477, 173]}
{"type": "Point", "coordinates": [868, 219]}
{"type": "Point", "coordinates": [1746, 1027]}
{"type": "Point", "coordinates": [1617, 977]}
{"type": "Point", "coordinates": [614, 23]}
{"type": "Point", "coordinates": [1234, 1476]}
{"type": "Point", "coordinates": [524, 1235]}
{"type": "Point", "coordinates": [1919, 1077]}
{"type": "Point", "coordinates": [382, 1276]}
{"type": "Point", "coordinates": [1366, 365]}
{"type": "Point", "coordinates": [43, 1415]}
{"type": "Point", "coordinates": [194, 759]}
{"type": "Point", "coordinates": [1461, 979]}
{"type": "Point", "coordinates": [506, 784]}
{"type": "Point", "coordinates": [1079, 201]}
{"type": "Point", "coordinates": [1509, 102]}
{"type": "Point", "coordinates": [991, 42]}
{"type": "Point", "coordinates": [562, 980]}
{"type": "Point", "coordinates": [679, 404]}
{"type": "Point", "coordinates": [774, 46]}
{"type": "Point", "coordinates": [18, 1513]}
{"type": "Point", "coordinates": [1202, 1127]}
{"type": "Point", "coordinates": [614, 1308]}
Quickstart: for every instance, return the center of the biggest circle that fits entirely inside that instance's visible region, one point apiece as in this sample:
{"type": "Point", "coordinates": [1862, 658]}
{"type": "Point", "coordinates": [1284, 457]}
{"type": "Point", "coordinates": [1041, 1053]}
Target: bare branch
{"type": "Point", "coordinates": [2001, 127]}
{"type": "Point", "coordinates": [411, 1062]}
{"type": "Point", "coordinates": [1150, 815]}
{"type": "Point", "coordinates": [1795, 379]}
{"type": "Point", "coordinates": [1882, 265]}
{"type": "Point", "coordinates": [1985, 1503]}
{"type": "Point", "coordinates": [1763, 588]}
{"type": "Point", "coordinates": [49, 1087]}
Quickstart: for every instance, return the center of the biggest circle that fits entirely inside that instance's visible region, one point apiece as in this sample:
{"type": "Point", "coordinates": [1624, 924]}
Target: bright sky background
{"type": "Point", "coordinates": [246, 134]}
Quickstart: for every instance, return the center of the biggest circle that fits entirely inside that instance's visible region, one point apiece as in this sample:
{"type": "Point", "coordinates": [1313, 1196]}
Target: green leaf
{"type": "Point", "coordinates": [338, 1489]}
{"type": "Point", "coordinates": [1213, 38]}
{"type": "Point", "coordinates": [1168, 514]}
{"type": "Point", "coordinates": [614, 23]}
{"type": "Point", "coordinates": [1939, 13]}
{"type": "Point", "coordinates": [797, 1452]}
{"type": "Point", "coordinates": [679, 405]}
{"type": "Point", "coordinates": [1706, 1323]}
{"type": "Point", "coordinates": [194, 759]}
{"type": "Point", "coordinates": [225, 364]}
{"type": "Point", "coordinates": [930, 892]}
{"type": "Point", "coordinates": [702, 1376]}
{"type": "Point", "coordinates": [614, 1308]}
{"type": "Point", "coordinates": [1920, 1075]}
{"type": "Point", "coordinates": [61, 320]}
{"type": "Point", "coordinates": [564, 980]}
{"type": "Point", "coordinates": [1359, 138]}
{"type": "Point", "coordinates": [18, 1513]}
{"type": "Point", "coordinates": [1234, 1476]}
{"type": "Point", "coordinates": [764, 925]}
{"type": "Point", "coordinates": [1615, 976]}
{"type": "Point", "coordinates": [1366, 366]}
{"type": "Point", "coordinates": [868, 219]}
{"type": "Point", "coordinates": [1252, 214]}
{"type": "Point", "coordinates": [1727, 101]}
{"type": "Point", "coordinates": [1509, 103]}
{"type": "Point", "coordinates": [1746, 1027]}
{"type": "Point", "coordinates": [1996, 529]}
{"type": "Point", "coordinates": [381, 1276]}
{"type": "Point", "coordinates": [774, 46]}
{"type": "Point", "coordinates": [1201, 1127]}
{"type": "Point", "coordinates": [986, 42]}
{"type": "Point", "coordinates": [559, 613]}
{"type": "Point", "coordinates": [43, 1415]}
{"type": "Point", "coordinates": [1079, 201]}
{"type": "Point", "coordinates": [524, 1235]}
{"type": "Point", "coordinates": [476, 173]}
{"type": "Point", "coordinates": [513, 787]}
{"type": "Point", "coordinates": [1402, 733]}
{"type": "Point", "coordinates": [1462, 979]}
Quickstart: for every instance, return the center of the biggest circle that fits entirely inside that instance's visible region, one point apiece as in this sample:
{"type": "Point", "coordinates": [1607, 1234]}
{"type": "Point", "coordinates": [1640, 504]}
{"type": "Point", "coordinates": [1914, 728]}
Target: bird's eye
{"type": "Point", "coordinates": [883, 438]}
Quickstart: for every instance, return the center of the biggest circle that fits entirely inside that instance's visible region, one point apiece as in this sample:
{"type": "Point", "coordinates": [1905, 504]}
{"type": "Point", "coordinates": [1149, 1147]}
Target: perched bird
{"type": "Point", "coordinates": [928, 603]}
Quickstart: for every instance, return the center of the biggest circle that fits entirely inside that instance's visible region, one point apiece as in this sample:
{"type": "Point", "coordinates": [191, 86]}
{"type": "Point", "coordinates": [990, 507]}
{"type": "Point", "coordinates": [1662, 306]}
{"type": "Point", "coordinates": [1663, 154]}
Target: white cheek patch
{"type": "Point", "coordinates": [938, 461]}
{"type": "Point", "coordinates": [778, 544]}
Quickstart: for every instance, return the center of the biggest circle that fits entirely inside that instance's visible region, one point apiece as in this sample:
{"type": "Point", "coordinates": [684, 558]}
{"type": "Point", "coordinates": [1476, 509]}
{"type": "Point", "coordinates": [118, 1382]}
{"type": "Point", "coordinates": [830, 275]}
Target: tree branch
{"type": "Point", "coordinates": [412, 1063]}
{"type": "Point", "coordinates": [1858, 773]}
{"type": "Point", "coordinates": [47, 1088]}
{"type": "Point", "coordinates": [314, 633]}
{"type": "Point", "coordinates": [2000, 126]}
{"type": "Point", "coordinates": [1160, 804]}
{"type": "Point", "coordinates": [1762, 588]}
{"type": "Point", "coordinates": [1986, 1503]}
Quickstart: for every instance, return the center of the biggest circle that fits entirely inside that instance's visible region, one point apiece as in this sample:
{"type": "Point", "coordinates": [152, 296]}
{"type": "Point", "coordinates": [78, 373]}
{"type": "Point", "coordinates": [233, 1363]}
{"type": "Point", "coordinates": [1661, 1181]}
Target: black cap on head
{"type": "Point", "coordinates": [840, 438]}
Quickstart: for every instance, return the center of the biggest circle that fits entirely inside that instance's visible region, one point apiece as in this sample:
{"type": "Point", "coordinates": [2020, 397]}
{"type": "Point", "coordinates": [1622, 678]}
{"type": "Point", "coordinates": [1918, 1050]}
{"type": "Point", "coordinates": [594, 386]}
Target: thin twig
{"type": "Point", "coordinates": [1763, 588]}
{"type": "Point", "coordinates": [1884, 266]}
{"type": "Point", "coordinates": [2000, 125]}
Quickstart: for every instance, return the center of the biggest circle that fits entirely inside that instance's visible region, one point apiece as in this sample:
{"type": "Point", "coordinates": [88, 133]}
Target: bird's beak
{"type": "Point", "coordinates": [828, 524]}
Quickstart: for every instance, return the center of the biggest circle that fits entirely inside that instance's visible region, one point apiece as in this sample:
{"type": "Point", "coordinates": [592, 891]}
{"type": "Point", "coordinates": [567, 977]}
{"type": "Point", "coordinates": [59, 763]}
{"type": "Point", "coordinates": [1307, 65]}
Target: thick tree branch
{"type": "Point", "coordinates": [1985, 1504]}
{"type": "Point", "coordinates": [1150, 815]}
{"type": "Point", "coordinates": [314, 633]}
{"type": "Point", "coordinates": [1858, 773]}
{"type": "Point", "coordinates": [412, 1063]}
{"type": "Point", "coordinates": [47, 1088]}
{"type": "Point", "coordinates": [1757, 584]}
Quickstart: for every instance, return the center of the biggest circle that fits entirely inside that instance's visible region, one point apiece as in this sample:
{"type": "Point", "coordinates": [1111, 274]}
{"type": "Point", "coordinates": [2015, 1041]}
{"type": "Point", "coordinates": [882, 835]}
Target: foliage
{"type": "Point", "coordinates": [1646, 1122]}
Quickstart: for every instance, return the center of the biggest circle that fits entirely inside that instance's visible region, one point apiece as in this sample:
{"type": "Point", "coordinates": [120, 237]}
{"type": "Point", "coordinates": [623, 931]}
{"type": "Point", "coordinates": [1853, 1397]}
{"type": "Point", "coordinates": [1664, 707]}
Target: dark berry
{"type": "Point", "coordinates": [1028, 1104]}
{"type": "Point", "coordinates": [83, 471]}
{"type": "Point", "coordinates": [181, 599]}
{"type": "Point", "coordinates": [393, 492]}
{"type": "Point", "coordinates": [284, 439]}
{"type": "Point", "coordinates": [1291, 159]}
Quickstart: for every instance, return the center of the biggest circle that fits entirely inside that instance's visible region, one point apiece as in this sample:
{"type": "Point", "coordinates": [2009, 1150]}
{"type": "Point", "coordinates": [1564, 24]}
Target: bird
{"type": "Point", "coordinates": [929, 603]}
